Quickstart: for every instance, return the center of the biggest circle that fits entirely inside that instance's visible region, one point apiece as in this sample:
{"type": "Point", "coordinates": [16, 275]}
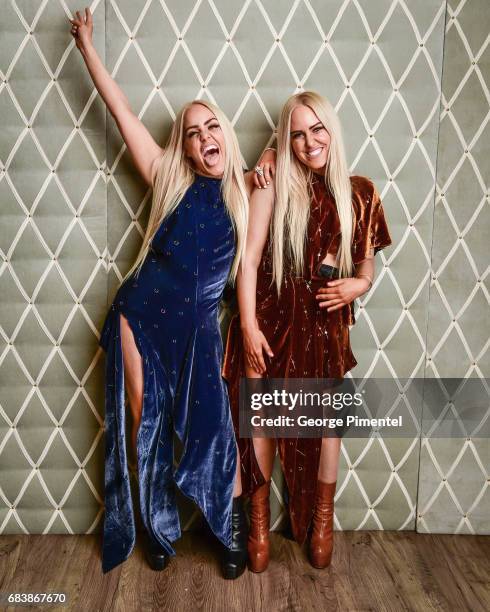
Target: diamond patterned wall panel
{"type": "Point", "coordinates": [454, 491]}
{"type": "Point", "coordinates": [249, 57]}
{"type": "Point", "coordinates": [53, 283]}
{"type": "Point", "coordinates": [379, 63]}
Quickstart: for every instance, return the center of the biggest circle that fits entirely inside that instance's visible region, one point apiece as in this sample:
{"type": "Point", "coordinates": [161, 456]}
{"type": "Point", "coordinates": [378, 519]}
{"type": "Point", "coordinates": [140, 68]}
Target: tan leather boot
{"type": "Point", "coordinates": [258, 536]}
{"type": "Point", "coordinates": [321, 543]}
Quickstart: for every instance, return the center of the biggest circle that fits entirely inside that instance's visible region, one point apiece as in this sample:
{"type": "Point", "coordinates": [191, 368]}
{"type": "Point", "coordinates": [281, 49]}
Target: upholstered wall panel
{"type": "Point", "coordinates": [454, 492]}
{"type": "Point", "coordinates": [53, 280]}
{"type": "Point", "coordinates": [380, 63]}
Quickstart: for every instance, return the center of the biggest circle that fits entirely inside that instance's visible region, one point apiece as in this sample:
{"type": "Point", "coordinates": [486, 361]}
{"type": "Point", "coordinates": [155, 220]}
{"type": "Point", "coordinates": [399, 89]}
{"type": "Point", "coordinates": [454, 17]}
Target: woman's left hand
{"type": "Point", "coordinates": [338, 293]}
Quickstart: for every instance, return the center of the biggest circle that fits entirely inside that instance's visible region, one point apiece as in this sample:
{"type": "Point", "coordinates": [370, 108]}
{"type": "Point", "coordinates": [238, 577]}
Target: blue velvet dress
{"type": "Point", "coordinates": [172, 309]}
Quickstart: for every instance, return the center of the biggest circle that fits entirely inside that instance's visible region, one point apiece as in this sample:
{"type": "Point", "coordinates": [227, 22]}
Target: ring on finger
{"type": "Point", "coordinates": [259, 171]}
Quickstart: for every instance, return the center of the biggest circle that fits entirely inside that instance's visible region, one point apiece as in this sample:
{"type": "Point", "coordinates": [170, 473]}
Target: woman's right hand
{"type": "Point", "coordinates": [82, 28]}
{"type": "Point", "coordinates": [254, 344]}
{"type": "Point", "coordinates": [267, 163]}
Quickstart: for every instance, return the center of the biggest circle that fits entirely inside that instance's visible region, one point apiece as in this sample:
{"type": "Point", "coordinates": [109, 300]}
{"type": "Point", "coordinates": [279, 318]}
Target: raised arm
{"type": "Point", "coordinates": [140, 143]}
{"type": "Point", "coordinates": [260, 213]}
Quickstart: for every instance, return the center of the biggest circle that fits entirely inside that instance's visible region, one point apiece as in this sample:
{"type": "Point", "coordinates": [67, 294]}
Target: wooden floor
{"type": "Point", "coordinates": [371, 570]}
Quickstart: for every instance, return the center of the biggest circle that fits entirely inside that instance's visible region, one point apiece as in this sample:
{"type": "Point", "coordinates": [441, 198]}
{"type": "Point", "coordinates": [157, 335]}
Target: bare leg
{"type": "Point", "coordinates": [237, 489]}
{"type": "Point", "coordinates": [265, 448]}
{"type": "Point", "coordinates": [133, 379]}
{"type": "Point", "coordinates": [329, 459]}
{"type": "Point", "coordinates": [258, 543]}
{"type": "Point", "coordinates": [134, 384]}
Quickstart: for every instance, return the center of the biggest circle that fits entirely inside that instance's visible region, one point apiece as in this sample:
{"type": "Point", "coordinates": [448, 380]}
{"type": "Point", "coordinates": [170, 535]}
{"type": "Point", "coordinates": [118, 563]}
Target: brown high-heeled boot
{"type": "Point", "coordinates": [321, 543]}
{"type": "Point", "coordinates": [258, 536]}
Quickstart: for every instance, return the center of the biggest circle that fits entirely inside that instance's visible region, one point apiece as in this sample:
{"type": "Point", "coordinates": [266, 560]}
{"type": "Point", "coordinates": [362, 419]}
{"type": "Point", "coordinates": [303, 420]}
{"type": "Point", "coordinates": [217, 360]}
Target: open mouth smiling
{"type": "Point", "coordinates": [314, 152]}
{"type": "Point", "coordinates": [210, 153]}
{"type": "Point", "coordinates": [211, 149]}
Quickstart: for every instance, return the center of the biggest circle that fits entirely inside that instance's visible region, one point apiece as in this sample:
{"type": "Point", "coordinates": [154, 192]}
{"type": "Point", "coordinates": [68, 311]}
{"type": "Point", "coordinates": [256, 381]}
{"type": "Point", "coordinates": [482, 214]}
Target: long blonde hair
{"type": "Point", "coordinates": [293, 190]}
{"type": "Point", "coordinates": [174, 176]}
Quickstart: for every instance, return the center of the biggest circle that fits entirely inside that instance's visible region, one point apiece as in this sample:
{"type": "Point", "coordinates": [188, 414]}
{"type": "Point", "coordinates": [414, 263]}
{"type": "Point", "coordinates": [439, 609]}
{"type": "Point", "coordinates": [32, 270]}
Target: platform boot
{"type": "Point", "coordinates": [321, 542]}
{"type": "Point", "coordinates": [155, 555]}
{"type": "Point", "coordinates": [235, 557]}
{"type": "Point", "coordinates": [258, 537]}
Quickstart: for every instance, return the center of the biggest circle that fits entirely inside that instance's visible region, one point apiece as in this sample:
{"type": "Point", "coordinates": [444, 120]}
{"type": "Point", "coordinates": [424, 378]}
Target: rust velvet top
{"type": "Point", "coordinates": [306, 340]}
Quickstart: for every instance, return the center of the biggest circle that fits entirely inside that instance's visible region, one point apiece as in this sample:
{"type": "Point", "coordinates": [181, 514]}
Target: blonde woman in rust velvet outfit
{"type": "Point", "coordinates": [316, 221]}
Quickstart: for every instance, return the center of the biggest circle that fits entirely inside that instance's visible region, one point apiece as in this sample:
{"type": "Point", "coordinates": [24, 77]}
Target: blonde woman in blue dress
{"type": "Point", "coordinates": [162, 336]}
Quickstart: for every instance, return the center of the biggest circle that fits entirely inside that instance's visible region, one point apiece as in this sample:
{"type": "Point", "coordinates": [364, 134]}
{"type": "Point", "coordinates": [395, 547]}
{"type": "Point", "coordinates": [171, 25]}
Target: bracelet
{"type": "Point", "coordinates": [269, 149]}
{"type": "Point", "coordinates": [369, 279]}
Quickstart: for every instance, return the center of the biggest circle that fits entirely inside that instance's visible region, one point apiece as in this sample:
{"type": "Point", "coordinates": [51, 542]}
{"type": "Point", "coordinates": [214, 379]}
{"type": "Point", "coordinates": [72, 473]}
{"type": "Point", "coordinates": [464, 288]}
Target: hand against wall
{"type": "Point", "coordinates": [82, 28]}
